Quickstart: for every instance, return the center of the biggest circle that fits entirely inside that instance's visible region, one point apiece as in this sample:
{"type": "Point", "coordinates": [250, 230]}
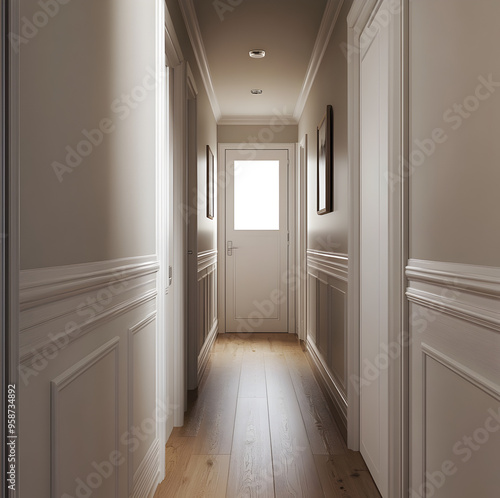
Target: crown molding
{"type": "Point", "coordinates": [330, 17]}
{"type": "Point", "coordinates": [257, 120]}
{"type": "Point", "coordinates": [332, 12]}
{"type": "Point", "coordinates": [194, 33]}
{"type": "Point", "coordinates": [190, 79]}
{"type": "Point", "coordinates": [173, 49]}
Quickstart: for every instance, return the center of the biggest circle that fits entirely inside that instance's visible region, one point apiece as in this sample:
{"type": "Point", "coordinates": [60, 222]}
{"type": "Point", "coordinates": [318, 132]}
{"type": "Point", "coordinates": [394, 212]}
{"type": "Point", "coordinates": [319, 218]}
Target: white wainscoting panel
{"type": "Point", "coordinates": [88, 365]}
{"type": "Point", "coordinates": [142, 397]}
{"type": "Point", "coordinates": [462, 428]}
{"type": "Point", "coordinates": [327, 327]}
{"type": "Point", "coordinates": [61, 304]}
{"type": "Point", "coordinates": [84, 425]}
{"type": "Point", "coordinates": [207, 307]}
{"type": "Point", "coordinates": [455, 379]}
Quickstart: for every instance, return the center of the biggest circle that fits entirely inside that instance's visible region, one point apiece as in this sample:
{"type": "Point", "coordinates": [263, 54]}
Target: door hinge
{"type": "Point", "coordinates": [288, 237]}
{"type": "Point", "coordinates": [230, 247]}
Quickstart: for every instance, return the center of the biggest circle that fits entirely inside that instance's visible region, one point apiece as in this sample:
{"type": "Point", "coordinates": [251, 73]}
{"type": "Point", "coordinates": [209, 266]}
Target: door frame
{"type": "Point", "coordinates": [168, 143]}
{"type": "Point", "coordinates": [221, 232]}
{"type": "Point", "coordinates": [183, 84]}
{"type": "Point", "coordinates": [163, 323]}
{"type": "Point", "coordinates": [192, 232]}
{"type": "Point", "coordinates": [302, 238]}
{"type": "Point", "coordinates": [175, 238]}
{"type": "Point", "coordinates": [361, 13]}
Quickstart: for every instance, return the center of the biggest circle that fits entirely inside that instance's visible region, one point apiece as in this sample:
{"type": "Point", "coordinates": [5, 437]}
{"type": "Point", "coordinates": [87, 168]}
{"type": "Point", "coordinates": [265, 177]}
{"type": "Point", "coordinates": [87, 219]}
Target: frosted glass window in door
{"type": "Point", "coordinates": [256, 195]}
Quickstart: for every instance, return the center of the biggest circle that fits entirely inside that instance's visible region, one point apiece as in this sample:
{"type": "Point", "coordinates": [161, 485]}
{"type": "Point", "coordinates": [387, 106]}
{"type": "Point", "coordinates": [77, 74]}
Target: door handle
{"type": "Point", "coordinates": [230, 247]}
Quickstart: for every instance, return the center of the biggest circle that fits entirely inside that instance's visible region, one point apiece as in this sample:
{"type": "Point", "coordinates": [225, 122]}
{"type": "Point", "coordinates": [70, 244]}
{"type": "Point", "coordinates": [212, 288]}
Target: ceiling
{"type": "Point", "coordinates": [294, 34]}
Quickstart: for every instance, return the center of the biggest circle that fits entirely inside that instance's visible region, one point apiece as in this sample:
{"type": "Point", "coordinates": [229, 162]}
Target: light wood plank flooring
{"type": "Point", "coordinates": [260, 427]}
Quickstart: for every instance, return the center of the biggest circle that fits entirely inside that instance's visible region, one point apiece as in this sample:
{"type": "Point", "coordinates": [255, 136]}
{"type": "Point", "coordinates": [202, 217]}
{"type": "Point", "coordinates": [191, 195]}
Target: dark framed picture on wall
{"type": "Point", "coordinates": [325, 162]}
{"type": "Point", "coordinates": [210, 184]}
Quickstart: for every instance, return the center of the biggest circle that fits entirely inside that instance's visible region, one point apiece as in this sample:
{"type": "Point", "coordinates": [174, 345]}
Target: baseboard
{"type": "Point", "coordinates": [335, 399]}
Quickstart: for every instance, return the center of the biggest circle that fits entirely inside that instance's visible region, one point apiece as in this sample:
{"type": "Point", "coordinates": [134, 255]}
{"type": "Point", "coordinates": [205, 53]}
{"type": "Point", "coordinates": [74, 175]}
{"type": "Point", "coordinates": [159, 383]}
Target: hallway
{"type": "Point", "coordinates": [260, 427]}
{"type": "Point", "coordinates": [131, 253]}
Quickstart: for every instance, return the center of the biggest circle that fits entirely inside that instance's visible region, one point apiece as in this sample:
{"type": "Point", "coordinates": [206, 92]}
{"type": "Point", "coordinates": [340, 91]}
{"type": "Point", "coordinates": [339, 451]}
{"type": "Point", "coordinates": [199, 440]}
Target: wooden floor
{"type": "Point", "coordinates": [260, 428]}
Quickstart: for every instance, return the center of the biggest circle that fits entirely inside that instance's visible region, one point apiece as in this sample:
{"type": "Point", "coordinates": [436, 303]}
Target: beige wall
{"type": "Point", "coordinates": [455, 203]}
{"type": "Point", "coordinates": [329, 232]}
{"type": "Point", "coordinates": [89, 66]}
{"type": "Point", "coordinates": [90, 62]}
{"type": "Point", "coordinates": [455, 229]}
{"type": "Point", "coordinates": [206, 133]}
{"type": "Point", "coordinates": [276, 131]}
{"type": "Point", "coordinates": [327, 288]}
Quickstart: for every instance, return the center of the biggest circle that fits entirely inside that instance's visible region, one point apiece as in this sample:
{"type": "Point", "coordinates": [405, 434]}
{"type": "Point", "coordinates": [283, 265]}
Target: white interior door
{"type": "Point", "coordinates": [257, 241]}
{"type": "Point", "coordinates": [374, 297]}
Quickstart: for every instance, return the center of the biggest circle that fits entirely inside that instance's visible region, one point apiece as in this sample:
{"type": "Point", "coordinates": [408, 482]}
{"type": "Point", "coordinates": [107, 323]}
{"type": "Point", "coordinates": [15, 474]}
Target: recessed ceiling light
{"type": "Point", "coordinates": [257, 54]}
{"type": "Point", "coordinates": [256, 91]}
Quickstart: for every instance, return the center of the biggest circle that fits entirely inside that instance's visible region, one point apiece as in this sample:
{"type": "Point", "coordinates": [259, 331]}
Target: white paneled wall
{"type": "Point", "coordinates": [327, 327]}
{"type": "Point", "coordinates": [208, 323]}
{"type": "Point", "coordinates": [88, 365]}
{"type": "Point", "coordinates": [92, 382]}
{"type": "Point", "coordinates": [455, 386]}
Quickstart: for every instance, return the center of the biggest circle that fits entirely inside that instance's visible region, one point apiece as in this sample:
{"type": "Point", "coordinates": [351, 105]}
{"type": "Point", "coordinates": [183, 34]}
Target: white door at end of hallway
{"type": "Point", "coordinates": [257, 240]}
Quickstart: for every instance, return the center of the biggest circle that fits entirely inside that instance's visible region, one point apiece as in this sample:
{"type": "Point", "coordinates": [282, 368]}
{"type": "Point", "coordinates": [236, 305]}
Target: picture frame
{"type": "Point", "coordinates": [325, 166]}
{"type": "Point", "coordinates": [210, 184]}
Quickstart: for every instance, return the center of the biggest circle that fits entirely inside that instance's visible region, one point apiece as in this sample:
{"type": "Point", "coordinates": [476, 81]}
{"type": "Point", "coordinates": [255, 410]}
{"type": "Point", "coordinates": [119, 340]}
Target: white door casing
{"type": "Point", "coordinates": [378, 247]}
{"type": "Point", "coordinates": [173, 58]}
{"type": "Point", "coordinates": [191, 214]}
{"type": "Point", "coordinates": [374, 256]}
{"type": "Point", "coordinates": [180, 243]}
{"type": "Point", "coordinates": [164, 323]}
{"type": "Point", "coordinates": [302, 239]}
{"type": "Point", "coordinates": [257, 249]}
